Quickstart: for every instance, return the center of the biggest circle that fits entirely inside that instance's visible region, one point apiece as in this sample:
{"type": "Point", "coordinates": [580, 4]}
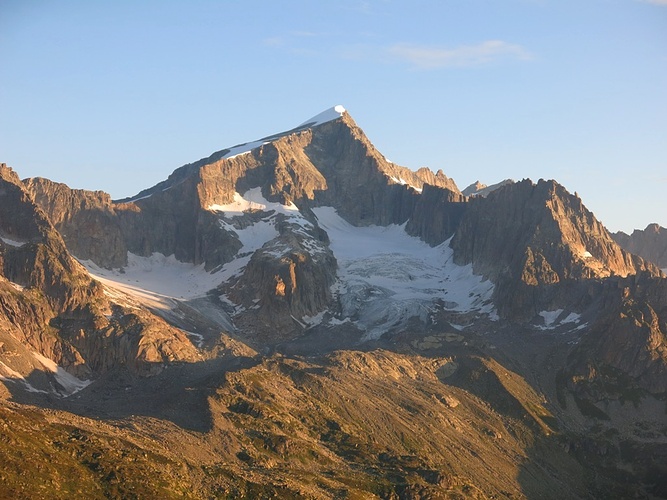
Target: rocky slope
{"type": "Point", "coordinates": [650, 244]}
{"type": "Point", "coordinates": [625, 349]}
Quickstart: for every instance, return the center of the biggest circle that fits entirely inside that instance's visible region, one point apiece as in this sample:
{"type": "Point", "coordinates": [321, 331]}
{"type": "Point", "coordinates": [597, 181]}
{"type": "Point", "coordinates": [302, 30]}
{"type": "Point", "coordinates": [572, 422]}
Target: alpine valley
{"type": "Point", "coordinates": [298, 317]}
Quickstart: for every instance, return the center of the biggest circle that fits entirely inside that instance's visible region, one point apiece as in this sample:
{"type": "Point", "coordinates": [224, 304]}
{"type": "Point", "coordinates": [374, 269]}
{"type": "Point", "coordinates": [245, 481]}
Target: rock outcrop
{"type": "Point", "coordinates": [34, 254]}
{"type": "Point", "coordinates": [86, 220]}
{"type": "Point", "coordinates": [479, 189]}
{"type": "Point", "coordinates": [650, 244]}
{"type": "Point", "coordinates": [362, 185]}
{"type": "Point", "coordinates": [286, 280]}
{"type": "Point", "coordinates": [626, 348]}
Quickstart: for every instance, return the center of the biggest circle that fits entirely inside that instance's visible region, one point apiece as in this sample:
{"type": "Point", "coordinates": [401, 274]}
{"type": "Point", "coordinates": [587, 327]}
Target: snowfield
{"type": "Point", "coordinates": [157, 281]}
{"type": "Point", "coordinates": [385, 276]}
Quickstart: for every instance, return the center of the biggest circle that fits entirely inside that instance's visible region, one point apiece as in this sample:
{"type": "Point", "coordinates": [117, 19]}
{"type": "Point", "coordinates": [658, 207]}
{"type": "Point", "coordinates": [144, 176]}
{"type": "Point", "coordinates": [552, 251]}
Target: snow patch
{"type": "Point", "coordinates": [403, 182]}
{"type": "Point", "coordinates": [386, 277]}
{"type": "Point", "coordinates": [69, 382]}
{"type": "Point", "coordinates": [13, 243]}
{"type": "Point", "coordinates": [254, 236]}
{"type": "Point", "coordinates": [312, 321]}
{"type": "Point", "coordinates": [572, 318]}
{"type": "Point", "coordinates": [551, 319]}
{"type": "Point", "coordinates": [253, 200]}
{"type": "Point", "coordinates": [9, 375]}
{"type": "Point", "coordinates": [244, 148]}
{"type": "Point", "coordinates": [198, 338]}
{"type": "Point", "coordinates": [338, 322]}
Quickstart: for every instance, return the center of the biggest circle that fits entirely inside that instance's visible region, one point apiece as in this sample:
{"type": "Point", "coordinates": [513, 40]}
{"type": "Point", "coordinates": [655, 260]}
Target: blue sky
{"type": "Point", "coordinates": [115, 95]}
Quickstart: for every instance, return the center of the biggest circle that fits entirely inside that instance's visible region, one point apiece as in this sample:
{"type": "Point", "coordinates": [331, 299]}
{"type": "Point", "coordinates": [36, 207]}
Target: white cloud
{"type": "Point", "coordinates": [655, 2]}
{"type": "Point", "coordinates": [425, 57]}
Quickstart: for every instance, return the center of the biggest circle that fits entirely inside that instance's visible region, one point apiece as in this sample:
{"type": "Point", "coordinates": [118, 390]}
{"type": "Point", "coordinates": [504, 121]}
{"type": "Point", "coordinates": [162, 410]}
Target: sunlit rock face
{"type": "Point", "coordinates": [529, 238]}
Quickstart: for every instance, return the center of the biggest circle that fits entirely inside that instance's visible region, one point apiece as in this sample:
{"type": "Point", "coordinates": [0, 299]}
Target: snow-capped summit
{"type": "Point", "coordinates": [228, 153]}
{"type": "Point", "coordinates": [325, 116]}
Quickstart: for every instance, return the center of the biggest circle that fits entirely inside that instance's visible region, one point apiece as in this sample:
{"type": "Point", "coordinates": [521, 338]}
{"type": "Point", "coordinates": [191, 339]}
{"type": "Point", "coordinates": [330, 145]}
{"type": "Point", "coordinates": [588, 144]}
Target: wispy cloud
{"type": "Point", "coordinates": [292, 42]}
{"type": "Point", "coordinates": [429, 57]}
{"type": "Point", "coordinates": [655, 2]}
{"type": "Point", "coordinates": [416, 56]}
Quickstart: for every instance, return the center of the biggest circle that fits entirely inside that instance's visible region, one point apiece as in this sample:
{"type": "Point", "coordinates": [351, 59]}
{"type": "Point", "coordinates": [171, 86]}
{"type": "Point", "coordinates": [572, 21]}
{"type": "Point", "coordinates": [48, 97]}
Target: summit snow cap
{"type": "Point", "coordinates": [325, 116]}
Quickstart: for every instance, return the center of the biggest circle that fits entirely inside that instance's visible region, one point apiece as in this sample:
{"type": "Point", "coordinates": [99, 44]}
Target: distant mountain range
{"type": "Point", "coordinates": [650, 244]}
{"type": "Point", "coordinates": [299, 317]}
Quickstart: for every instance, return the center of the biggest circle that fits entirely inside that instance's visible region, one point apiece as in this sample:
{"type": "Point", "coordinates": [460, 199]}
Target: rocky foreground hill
{"type": "Point", "coordinates": [299, 317]}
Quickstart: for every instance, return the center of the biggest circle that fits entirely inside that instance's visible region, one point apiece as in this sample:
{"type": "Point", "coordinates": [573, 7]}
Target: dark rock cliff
{"type": "Point", "coordinates": [436, 215]}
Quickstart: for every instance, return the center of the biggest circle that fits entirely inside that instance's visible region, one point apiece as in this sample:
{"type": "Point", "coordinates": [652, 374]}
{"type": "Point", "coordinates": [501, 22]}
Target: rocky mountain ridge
{"type": "Point", "coordinates": [282, 301]}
